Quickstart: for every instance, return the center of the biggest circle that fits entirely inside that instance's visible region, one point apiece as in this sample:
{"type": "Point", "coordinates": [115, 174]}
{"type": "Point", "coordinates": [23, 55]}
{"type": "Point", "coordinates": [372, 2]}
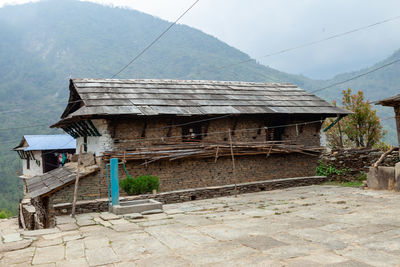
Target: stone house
{"type": "Point", "coordinates": [191, 134]}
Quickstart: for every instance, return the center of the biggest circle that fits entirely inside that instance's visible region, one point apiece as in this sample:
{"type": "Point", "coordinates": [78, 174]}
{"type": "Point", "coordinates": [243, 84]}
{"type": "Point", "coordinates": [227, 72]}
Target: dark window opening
{"type": "Point", "coordinates": [278, 133]}
{"type": "Point", "coordinates": [274, 134]}
{"type": "Point", "coordinates": [28, 163]}
{"type": "Point", "coordinates": [192, 197]}
{"type": "Point", "coordinates": [191, 133]}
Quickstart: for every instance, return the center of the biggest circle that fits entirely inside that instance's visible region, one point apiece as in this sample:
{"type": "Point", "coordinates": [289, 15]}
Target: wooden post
{"type": "Point", "coordinates": [76, 183]}
{"type": "Point", "coordinates": [340, 134]}
{"type": "Point", "coordinates": [397, 116]}
{"type": "Point", "coordinates": [233, 160]}
{"type": "Point", "coordinates": [21, 217]}
{"type": "Point", "coordinates": [383, 156]}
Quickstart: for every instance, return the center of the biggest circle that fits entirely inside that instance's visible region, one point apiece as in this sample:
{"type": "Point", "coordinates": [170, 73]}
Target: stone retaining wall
{"type": "Point", "coordinates": [356, 161]}
{"type": "Point", "coordinates": [193, 194]}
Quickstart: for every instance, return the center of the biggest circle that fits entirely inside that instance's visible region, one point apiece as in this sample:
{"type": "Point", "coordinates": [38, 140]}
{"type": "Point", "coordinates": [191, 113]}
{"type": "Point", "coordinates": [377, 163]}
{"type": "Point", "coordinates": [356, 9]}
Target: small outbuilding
{"type": "Point", "coordinates": [43, 153]}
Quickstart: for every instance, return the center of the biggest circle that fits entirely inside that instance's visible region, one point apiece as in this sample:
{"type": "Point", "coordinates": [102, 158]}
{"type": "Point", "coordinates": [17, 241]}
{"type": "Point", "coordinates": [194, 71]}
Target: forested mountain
{"type": "Point", "coordinates": [44, 44]}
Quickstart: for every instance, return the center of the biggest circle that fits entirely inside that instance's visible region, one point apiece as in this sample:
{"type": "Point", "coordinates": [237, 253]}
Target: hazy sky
{"type": "Point", "coordinates": [260, 27]}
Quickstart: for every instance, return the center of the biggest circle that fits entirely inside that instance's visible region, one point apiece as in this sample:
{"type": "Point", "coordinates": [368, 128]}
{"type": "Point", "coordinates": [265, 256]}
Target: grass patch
{"type": "Point", "coordinates": [345, 184]}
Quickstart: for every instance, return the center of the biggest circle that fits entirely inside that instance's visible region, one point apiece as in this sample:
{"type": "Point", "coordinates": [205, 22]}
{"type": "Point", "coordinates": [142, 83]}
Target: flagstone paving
{"type": "Point", "coordinates": [304, 226]}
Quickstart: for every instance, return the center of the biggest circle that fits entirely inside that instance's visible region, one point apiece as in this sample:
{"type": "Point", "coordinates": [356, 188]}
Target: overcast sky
{"type": "Point", "coordinates": [260, 27]}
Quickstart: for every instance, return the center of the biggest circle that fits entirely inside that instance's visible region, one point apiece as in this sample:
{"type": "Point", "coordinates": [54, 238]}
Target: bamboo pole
{"type": "Point", "coordinates": [76, 182]}
{"type": "Point", "coordinates": [216, 155]}
{"type": "Point", "coordinates": [233, 161]}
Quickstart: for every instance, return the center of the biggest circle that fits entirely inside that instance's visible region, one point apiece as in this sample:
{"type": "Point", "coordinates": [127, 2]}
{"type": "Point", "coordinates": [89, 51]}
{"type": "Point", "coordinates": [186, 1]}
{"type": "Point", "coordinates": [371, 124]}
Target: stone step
{"type": "Point", "coordinates": [148, 212]}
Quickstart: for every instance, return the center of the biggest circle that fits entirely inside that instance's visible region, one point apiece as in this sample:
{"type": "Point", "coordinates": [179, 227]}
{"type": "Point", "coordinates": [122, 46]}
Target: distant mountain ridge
{"type": "Point", "coordinates": [43, 44]}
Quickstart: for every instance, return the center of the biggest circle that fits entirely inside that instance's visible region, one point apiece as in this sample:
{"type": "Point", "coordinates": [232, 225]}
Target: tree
{"type": "Point", "coordinates": [360, 129]}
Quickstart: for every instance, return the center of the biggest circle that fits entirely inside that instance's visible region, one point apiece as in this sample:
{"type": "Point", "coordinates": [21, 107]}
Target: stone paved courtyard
{"type": "Point", "coordinates": [305, 226]}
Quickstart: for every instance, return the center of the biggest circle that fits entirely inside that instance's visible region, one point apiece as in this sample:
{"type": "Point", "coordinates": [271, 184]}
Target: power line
{"type": "Point", "coordinates": [310, 43]}
{"type": "Point", "coordinates": [318, 90]}
{"type": "Point", "coordinates": [357, 76]}
{"type": "Point", "coordinates": [155, 40]}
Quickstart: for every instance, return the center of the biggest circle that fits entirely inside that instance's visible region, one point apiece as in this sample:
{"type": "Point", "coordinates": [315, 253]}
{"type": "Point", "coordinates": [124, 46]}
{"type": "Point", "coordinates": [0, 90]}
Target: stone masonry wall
{"type": "Point", "coordinates": [132, 133]}
{"type": "Point", "coordinates": [194, 194]}
{"type": "Point", "coordinates": [192, 173]}
{"type": "Point", "coordinates": [89, 188]}
{"type": "Point", "coordinates": [356, 161]}
{"type": "Point", "coordinates": [97, 144]}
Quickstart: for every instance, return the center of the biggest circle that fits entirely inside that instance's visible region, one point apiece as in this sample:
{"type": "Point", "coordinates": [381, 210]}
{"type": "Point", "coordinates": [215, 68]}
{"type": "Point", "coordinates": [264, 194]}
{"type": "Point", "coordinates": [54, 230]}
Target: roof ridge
{"type": "Point", "coordinates": [90, 80]}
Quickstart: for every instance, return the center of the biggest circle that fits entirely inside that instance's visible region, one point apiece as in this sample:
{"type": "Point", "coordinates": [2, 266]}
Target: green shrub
{"type": "Point", "coordinates": [361, 177]}
{"type": "Point", "coordinates": [139, 185]}
{"type": "Point", "coordinates": [4, 214]}
{"type": "Point", "coordinates": [327, 170]}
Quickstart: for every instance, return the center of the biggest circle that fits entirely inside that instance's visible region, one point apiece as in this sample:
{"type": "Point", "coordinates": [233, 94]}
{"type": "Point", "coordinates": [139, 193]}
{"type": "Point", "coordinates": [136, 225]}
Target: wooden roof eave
{"type": "Point", "coordinates": [74, 101]}
{"type": "Point", "coordinates": [393, 101]}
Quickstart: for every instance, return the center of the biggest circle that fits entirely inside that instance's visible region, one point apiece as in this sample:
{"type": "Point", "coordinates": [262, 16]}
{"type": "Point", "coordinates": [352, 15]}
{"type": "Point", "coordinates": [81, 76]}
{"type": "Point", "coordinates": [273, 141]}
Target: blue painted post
{"type": "Point", "coordinates": [114, 181]}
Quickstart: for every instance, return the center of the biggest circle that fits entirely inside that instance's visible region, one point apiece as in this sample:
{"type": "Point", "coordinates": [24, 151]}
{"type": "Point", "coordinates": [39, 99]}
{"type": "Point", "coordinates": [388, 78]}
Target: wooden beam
{"type": "Point", "coordinates": [76, 183]}
{"type": "Point", "coordinates": [91, 125]}
{"type": "Point", "coordinates": [383, 156]}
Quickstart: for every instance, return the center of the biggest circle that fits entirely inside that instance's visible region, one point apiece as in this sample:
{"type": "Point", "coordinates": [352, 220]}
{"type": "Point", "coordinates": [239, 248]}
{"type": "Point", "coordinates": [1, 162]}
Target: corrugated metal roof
{"type": "Point", "coordinates": [189, 97]}
{"type": "Point", "coordinates": [46, 142]}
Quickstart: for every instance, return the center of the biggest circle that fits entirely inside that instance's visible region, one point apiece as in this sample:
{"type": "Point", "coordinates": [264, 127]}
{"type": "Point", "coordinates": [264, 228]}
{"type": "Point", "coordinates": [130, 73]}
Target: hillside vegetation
{"type": "Point", "coordinates": [44, 44]}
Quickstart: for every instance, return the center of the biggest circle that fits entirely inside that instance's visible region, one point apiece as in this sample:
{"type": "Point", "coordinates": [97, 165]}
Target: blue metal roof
{"type": "Point", "coordinates": [49, 142]}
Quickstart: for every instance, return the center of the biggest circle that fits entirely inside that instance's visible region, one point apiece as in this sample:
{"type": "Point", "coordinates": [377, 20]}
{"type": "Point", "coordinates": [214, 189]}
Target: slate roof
{"type": "Point", "coordinates": [89, 97]}
{"type": "Point", "coordinates": [390, 101]}
{"type": "Point", "coordinates": [46, 142]}
{"type": "Point", "coordinates": [56, 179]}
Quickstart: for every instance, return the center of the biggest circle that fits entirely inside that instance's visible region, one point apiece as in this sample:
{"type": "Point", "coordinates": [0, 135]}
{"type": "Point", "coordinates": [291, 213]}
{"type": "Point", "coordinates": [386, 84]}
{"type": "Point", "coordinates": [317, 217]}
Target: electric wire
{"type": "Point", "coordinates": [155, 40]}
{"type": "Point", "coordinates": [307, 44]}
{"type": "Point", "coordinates": [357, 76]}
